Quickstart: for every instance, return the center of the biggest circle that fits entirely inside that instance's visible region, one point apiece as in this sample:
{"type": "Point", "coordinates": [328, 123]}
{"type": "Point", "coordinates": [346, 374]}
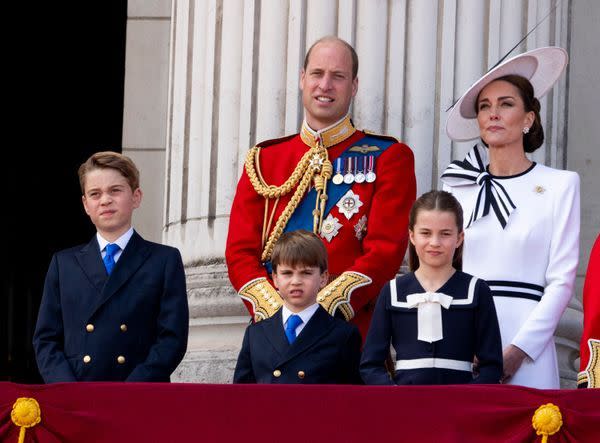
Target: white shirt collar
{"type": "Point", "coordinates": [121, 241]}
{"type": "Point", "coordinates": [305, 314]}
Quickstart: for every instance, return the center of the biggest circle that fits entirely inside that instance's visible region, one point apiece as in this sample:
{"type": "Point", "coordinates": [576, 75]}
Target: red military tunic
{"type": "Point", "coordinates": [590, 340]}
{"type": "Point", "coordinates": [374, 250]}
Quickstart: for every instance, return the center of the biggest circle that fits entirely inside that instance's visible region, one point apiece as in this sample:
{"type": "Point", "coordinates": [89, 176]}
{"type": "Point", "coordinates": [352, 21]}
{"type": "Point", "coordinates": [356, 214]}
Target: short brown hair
{"type": "Point", "coordinates": [299, 247]}
{"type": "Point", "coordinates": [110, 160]}
{"type": "Point", "coordinates": [332, 38]}
{"type": "Point", "coordinates": [439, 201]}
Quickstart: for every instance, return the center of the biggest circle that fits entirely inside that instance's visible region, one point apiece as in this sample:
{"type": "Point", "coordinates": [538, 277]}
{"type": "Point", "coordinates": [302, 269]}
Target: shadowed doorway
{"type": "Point", "coordinates": [66, 102]}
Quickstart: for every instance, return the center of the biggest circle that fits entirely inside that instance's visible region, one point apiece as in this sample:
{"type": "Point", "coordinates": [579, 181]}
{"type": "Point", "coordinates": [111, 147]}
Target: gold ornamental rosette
{"type": "Point", "coordinates": [547, 420]}
{"type": "Point", "coordinates": [25, 413]}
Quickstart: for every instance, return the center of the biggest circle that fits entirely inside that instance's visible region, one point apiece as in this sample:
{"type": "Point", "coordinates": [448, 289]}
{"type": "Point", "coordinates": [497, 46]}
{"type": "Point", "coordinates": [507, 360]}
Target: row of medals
{"type": "Point", "coordinates": [352, 173]}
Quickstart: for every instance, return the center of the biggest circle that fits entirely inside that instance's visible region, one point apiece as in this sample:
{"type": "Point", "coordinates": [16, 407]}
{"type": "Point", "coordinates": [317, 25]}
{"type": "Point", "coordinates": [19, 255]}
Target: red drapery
{"type": "Point", "coordinates": [144, 412]}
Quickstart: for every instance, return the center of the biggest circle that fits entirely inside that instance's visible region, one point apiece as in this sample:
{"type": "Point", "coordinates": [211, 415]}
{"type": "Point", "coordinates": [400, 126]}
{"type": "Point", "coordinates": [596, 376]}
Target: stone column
{"type": "Point", "coordinates": [234, 70]}
{"type": "Point", "coordinates": [207, 109]}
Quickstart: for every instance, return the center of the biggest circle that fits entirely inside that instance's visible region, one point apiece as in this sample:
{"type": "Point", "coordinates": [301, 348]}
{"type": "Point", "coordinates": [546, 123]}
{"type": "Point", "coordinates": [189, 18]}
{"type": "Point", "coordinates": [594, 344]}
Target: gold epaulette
{"type": "Point", "coordinates": [275, 141]}
{"type": "Point", "coordinates": [336, 295]}
{"type": "Point", "coordinates": [384, 137]}
{"type": "Point", "coordinates": [265, 299]}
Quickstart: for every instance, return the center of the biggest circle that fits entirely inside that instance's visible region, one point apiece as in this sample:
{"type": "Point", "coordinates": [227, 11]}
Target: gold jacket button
{"type": "Point", "coordinates": [301, 374]}
{"type": "Point", "coordinates": [87, 359]}
{"type": "Point", "coordinates": [123, 327]}
{"type": "Point", "coordinates": [277, 373]}
{"type": "Point", "coordinates": [120, 359]}
{"type": "Point", "coordinates": [89, 327]}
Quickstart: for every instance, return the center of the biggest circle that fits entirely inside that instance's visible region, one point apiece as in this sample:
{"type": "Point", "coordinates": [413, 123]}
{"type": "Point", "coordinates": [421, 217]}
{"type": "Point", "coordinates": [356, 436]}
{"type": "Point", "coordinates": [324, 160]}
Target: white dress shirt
{"type": "Point", "coordinates": [305, 315]}
{"type": "Point", "coordinates": [121, 241]}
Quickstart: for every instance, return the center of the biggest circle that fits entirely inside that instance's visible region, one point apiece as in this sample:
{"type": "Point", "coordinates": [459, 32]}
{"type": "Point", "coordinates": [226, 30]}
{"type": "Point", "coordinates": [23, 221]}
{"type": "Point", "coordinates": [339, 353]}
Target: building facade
{"type": "Point", "coordinates": [206, 80]}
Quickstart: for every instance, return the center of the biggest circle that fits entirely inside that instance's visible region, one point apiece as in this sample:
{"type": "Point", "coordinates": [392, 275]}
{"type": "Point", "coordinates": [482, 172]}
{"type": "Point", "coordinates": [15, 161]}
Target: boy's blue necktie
{"type": "Point", "coordinates": [290, 327]}
{"type": "Point", "coordinates": [109, 258]}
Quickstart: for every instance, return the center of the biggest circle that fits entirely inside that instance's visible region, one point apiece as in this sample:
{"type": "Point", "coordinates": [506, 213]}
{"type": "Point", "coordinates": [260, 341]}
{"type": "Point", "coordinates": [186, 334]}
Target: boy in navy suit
{"type": "Point", "coordinates": [301, 343]}
{"type": "Point", "coordinates": [116, 308]}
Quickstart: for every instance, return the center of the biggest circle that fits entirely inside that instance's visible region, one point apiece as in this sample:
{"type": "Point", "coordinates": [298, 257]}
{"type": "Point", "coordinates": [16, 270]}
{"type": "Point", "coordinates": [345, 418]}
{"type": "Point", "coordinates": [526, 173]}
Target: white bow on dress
{"type": "Point", "coordinates": [429, 314]}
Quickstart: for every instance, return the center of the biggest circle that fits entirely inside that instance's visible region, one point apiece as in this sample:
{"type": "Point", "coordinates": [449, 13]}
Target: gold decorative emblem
{"type": "Point", "coordinates": [364, 149]}
{"type": "Point", "coordinates": [360, 228]}
{"type": "Point", "coordinates": [547, 420]}
{"type": "Point", "coordinates": [316, 162]}
{"type": "Point", "coordinates": [25, 413]}
{"type": "Point", "coordinates": [538, 189]}
{"type": "Point", "coordinates": [330, 227]}
{"type": "Point", "coordinates": [349, 204]}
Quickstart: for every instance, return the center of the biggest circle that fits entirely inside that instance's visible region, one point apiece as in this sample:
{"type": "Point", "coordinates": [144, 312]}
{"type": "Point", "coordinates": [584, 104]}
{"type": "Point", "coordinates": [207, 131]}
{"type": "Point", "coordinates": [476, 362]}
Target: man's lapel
{"type": "Point", "coordinates": [135, 254]}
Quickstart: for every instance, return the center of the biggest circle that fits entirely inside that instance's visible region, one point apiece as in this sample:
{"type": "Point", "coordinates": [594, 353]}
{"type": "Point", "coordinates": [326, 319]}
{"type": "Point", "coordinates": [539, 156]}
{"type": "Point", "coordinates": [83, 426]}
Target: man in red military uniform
{"type": "Point", "coordinates": [589, 375]}
{"type": "Point", "coordinates": [352, 188]}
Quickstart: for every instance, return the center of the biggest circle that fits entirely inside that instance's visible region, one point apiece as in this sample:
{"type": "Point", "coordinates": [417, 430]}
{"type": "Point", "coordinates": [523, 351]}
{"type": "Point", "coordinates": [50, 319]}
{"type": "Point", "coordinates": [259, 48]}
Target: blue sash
{"type": "Point", "coordinates": [302, 218]}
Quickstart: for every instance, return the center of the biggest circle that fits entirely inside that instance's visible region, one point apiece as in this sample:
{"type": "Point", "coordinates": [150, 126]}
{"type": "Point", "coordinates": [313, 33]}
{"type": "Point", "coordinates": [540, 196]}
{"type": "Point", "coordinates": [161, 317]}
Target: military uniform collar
{"type": "Point", "coordinates": [330, 136]}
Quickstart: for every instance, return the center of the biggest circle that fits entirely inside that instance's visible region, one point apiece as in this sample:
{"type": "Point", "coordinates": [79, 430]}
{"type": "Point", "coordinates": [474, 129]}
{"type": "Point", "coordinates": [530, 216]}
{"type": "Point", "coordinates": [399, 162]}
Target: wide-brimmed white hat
{"type": "Point", "coordinates": [542, 67]}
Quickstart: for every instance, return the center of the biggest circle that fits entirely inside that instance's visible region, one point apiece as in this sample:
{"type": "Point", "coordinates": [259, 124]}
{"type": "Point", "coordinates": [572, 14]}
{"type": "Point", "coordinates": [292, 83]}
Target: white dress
{"type": "Point", "coordinates": [530, 264]}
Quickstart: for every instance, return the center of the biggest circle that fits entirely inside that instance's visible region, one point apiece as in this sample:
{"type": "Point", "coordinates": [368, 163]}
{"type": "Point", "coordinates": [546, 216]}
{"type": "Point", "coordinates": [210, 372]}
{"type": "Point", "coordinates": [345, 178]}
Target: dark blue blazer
{"type": "Point", "coordinates": [327, 351]}
{"type": "Point", "coordinates": [131, 326]}
{"type": "Point", "coordinates": [470, 328]}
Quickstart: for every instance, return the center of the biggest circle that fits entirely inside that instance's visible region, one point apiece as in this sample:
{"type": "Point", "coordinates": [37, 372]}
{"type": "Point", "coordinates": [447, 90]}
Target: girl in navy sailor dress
{"type": "Point", "coordinates": [438, 319]}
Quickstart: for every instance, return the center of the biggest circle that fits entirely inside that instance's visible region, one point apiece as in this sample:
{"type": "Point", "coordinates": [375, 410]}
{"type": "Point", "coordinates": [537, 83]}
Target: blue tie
{"type": "Point", "coordinates": [109, 258]}
{"type": "Point", "coordinates": [290, 327]}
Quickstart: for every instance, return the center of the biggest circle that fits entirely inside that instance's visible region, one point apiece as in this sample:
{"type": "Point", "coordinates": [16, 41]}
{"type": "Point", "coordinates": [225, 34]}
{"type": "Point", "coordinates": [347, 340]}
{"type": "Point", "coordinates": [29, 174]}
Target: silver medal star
{"type": "Point", "coordinates": [330, 227]}
{"type": "Point", "coordinates": [349, 204]}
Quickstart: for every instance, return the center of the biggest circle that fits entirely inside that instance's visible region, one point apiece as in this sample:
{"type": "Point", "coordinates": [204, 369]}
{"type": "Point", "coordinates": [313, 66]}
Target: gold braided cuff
{"type": "Point", "coordinates": [336, 295]}
{"type": "Point", "coordinates": [591, 375]}
{"type": "Point", "coordinates": [265, 300]}
{"type": "Point", "coordinates": [582, 380]}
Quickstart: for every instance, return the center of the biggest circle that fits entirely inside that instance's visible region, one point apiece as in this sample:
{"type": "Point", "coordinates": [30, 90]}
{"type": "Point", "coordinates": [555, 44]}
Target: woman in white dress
{"type": "Point", "coordinates": [522, 235]}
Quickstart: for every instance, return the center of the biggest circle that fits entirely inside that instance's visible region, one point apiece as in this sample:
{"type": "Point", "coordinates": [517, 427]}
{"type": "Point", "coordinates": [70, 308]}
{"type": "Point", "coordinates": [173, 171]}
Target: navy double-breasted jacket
{"type": "Point", "coordinates": [327, 351]}
{"type": "Point", "coordinates": [129, 326]}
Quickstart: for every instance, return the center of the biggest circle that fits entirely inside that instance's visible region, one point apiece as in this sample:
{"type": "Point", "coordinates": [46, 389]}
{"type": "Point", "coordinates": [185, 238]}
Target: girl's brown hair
{"type": "Point", "coordinates": [439, 201]}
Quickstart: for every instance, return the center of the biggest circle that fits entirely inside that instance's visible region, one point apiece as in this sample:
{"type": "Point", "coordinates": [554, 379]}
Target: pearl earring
{"type": "Point", "coordinates": [525, 130]}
